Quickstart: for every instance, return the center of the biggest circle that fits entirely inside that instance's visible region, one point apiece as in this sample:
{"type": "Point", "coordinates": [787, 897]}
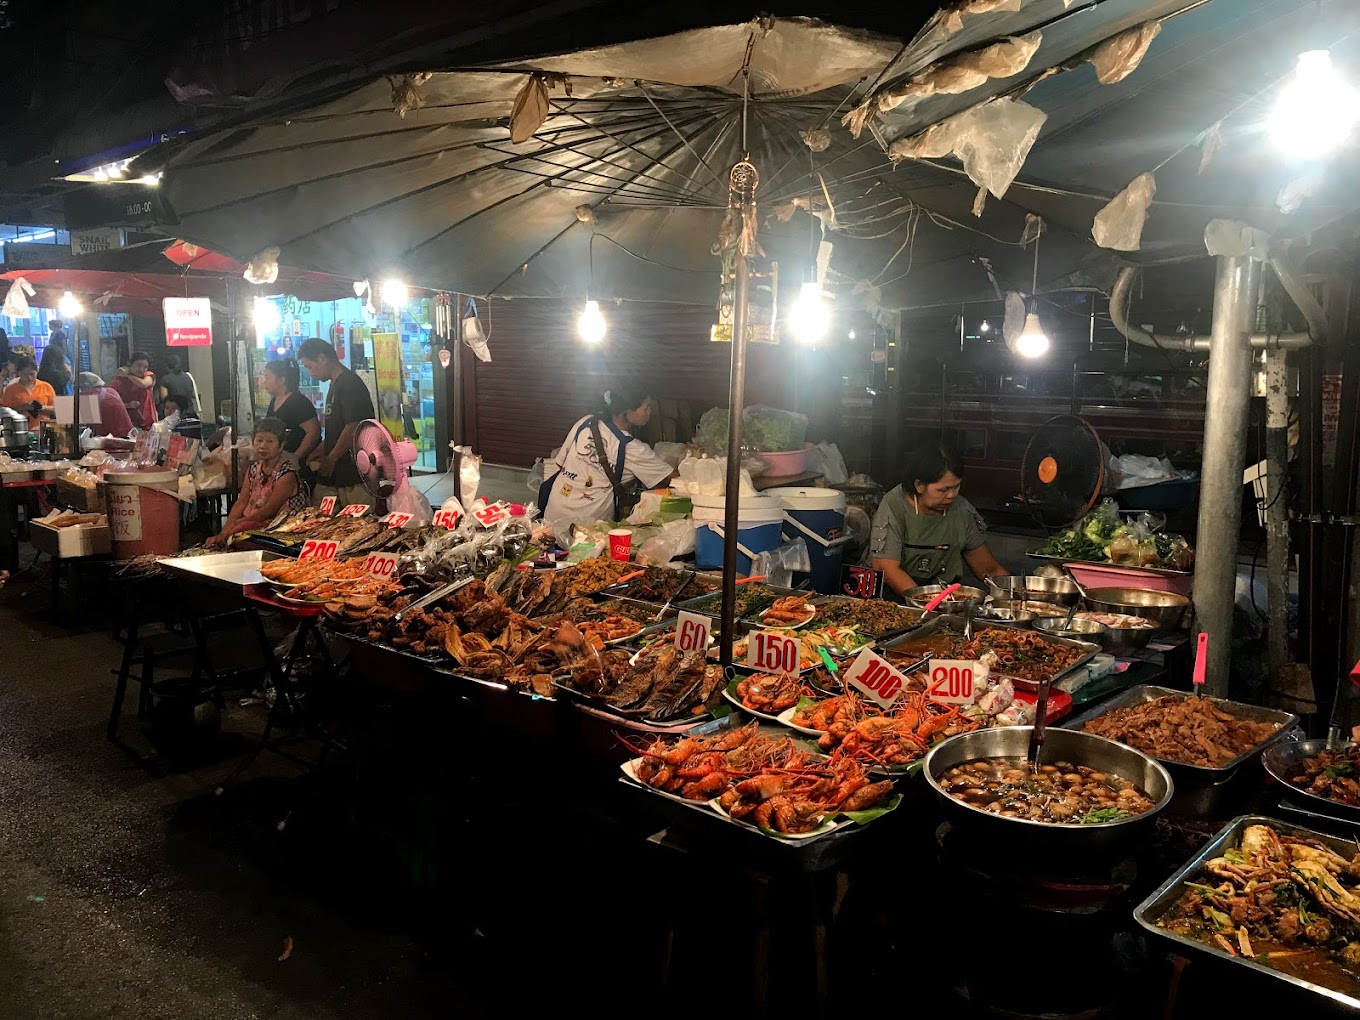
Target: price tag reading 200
{"type": "Point", "coordinates": [952, 680]}
{"type": "Point", "coordinates": [875, 678]}
{"type": "Point", "coordinates": [318, 549]}
{"type": "Point", "coordinates": [772, 652]}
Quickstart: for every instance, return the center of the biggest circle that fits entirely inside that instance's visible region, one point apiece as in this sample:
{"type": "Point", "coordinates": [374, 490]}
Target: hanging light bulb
{"type": "Point", "coordinates": [1032, 341]}
{"type": "Point", "coordinates": [851, 334]}
{"type": "Point", "coordinates": [986, 327]}
{"type": "Point", "coordinates": [810, 317]}
{"type": "Point", "coordinates": [1316, 110]}
{"type": "Point", "coordinates": [591, 324]}
{"type": "Point", "coordinates": [69, 306]}
{"type": "Point", "coordinates": [394, 293]}
{"type": "Point", "coordinates": [266, 315]}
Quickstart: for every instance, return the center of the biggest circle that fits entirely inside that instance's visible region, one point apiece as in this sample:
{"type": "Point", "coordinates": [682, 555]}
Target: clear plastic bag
{"type": "Point", "coordinates": [779, 565]}
{"type": "Point", "coordinates": [826, 460]}
{"type": "Point", "coordinates": [672, 540]}
{"type": "Point", "coordinates": [992, 140]}
{"type": "Point", "coordinates": [964, 72]}
{"type": "Point", "coordinates": [763, 429]}
{"type": "Point", "coordinates": [711, 435]}
{"type": "Point", "coordinates": [1119, 226]}
{"type": "Point", "coordinates": [1119, 56]}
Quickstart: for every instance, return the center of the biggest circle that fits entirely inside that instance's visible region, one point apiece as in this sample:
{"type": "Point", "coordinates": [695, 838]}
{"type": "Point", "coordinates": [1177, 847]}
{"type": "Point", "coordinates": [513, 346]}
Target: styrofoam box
{"type": "Point", "coordinates": [79, 540]}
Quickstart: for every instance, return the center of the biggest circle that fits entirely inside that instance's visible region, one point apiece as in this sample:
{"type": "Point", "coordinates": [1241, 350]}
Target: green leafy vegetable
{"type": "Point", "coordinates": [1219, 918]}
{"type": "Point", "coordinates": [1102, 815]}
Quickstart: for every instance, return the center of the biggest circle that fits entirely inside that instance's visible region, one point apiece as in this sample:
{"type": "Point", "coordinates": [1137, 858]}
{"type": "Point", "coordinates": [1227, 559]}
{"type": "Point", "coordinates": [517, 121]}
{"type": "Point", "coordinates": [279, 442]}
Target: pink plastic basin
{"type": "Point", "coordinates": [786, 462]}
{"type": "Point", "coordinates": [1091, 575]}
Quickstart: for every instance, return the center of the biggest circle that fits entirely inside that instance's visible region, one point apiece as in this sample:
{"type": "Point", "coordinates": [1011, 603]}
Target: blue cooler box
{"type": "Point", "coordinates": [759, 523]}
{"type": "Point", "coordinates": [817, 516]}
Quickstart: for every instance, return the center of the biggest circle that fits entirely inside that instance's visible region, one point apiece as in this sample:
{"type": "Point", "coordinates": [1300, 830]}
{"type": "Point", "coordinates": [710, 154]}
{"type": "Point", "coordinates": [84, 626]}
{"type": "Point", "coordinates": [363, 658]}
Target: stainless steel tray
{"type": "Point", "coordinates": [955, 625]}
{"type": "Point", "coordinates": [1155, 906]}
{"type": "Point", "coordinates": [225, 570]}
{"type": "Point", "coordinates": [1251, 713]}
{"type": "Point", "coordinates": [1283, 757]}
{"type": "Point", "coordinates": [826, 600]}
{"type": "Point", "coordinates": [694, 605]}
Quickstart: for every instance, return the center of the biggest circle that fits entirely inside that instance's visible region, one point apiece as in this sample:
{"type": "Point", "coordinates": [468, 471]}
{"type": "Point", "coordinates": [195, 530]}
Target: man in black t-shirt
{"type": "Point", "coordinates": [347, 404]}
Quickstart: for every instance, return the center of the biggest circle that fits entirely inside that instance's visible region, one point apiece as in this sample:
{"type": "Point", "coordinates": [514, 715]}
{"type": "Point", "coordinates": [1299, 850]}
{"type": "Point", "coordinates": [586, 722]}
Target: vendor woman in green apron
{"type": "Point", "coordinates": [924, 531]}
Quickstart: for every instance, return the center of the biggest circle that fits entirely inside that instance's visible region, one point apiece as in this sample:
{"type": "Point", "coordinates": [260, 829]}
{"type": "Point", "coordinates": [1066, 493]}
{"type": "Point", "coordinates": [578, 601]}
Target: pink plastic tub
{"type": "Point", "coordinates": [786, 462]}
{"type": "Point", "coordinates": [1093, 575]}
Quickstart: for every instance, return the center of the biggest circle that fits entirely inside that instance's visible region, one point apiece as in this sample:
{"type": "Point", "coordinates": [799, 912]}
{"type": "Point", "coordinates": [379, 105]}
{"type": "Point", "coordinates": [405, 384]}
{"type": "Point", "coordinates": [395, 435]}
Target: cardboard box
{"type": "Point", "coordinates": [67, 543]}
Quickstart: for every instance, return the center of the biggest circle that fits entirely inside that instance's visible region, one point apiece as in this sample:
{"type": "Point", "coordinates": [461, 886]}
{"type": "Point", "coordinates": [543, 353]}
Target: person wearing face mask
{"type": "Point", "coordinates": [924, 531]}
{"type": "Point", "coordinates": [272, 484]}
{"type": "Point", "coordinates": [29, 394]}
{"type": "Point", "coordinates": [589, 478]}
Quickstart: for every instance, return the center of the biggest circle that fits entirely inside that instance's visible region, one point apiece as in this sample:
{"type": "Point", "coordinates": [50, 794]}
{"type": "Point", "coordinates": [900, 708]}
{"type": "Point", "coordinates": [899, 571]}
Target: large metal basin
{"type": "Point", "coordinates": [1034, 588]}
{"type": "Point", "coordinates": [1163, 608]}
{"type": "Point", "coordinates": [1059, 745]}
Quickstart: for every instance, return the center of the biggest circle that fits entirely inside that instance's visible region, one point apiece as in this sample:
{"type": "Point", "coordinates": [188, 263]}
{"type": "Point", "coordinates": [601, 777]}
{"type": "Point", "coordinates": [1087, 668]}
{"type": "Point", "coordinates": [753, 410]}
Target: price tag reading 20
{"type": "Point", "coordinates": [328, 505]}
{"type": "Point", "coordinates": [318, 549]}
{"type": "Point", "coordinates": [875, 678]}
{"type": "Point", "coordinates": [952, 680]}
{"type": "Point", "coordinates": [771, 652]}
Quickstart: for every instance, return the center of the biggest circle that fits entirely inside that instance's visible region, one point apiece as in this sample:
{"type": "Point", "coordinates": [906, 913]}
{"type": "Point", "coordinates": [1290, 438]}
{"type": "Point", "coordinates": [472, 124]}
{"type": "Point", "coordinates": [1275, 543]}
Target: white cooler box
{"type": "Point", "coordinates": [77, 540]}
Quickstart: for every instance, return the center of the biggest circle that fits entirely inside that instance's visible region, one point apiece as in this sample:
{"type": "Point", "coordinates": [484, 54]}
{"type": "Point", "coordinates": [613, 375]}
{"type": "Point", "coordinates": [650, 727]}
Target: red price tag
{"type": "Point", "coordinates": [318, 549]}
{"type": "Point", "coordinates": [875, 678]}
{"type": "Point", "coordinates": [395, 520]}
{"type": "Point", "coordinates": [952, 680]}
{"type": "Point", "coordinates": [490, 516]}
{"type": "Point", "coordinates": [862, 582]}
{"type": "Point", "coordinates": [772, 653]}
{"type": "Point", "coordinates": [381, 564]}
{"type": "Point", "coordinates": [446, 519]}
{"type": "Point", "coordinates": [328, 505]}
{"type": "Point", "coordinates": [355, 510]}
{"type": "Point", "coordinates": [691, 632]}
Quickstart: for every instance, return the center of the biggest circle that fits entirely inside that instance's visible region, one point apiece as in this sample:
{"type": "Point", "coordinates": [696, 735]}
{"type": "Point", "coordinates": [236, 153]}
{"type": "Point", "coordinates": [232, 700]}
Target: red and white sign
{"type": "Point", "coordinates": [446, 519]}
{"type": "Point", "coordinates": [328, 505]}
{"type": "Point", "coordinates": [490, 516]}
{"type": "Point", "coordinates": [318, 549]}
{"type": "Point", "coordinates": [381, 564]}
{"type": "Point", "coordinates": [691, 632]}
{"type": "Point", "coordinates": [875, 678]}
{"type": "Point", "coordinates": [772, 653]}
{"type": "Point", "coordinates": [952, 680]}
{"type": "Point", "coordinates": [188, 321]}
{"type": "Point", "coordinates": [355, 510]}
{"type": "Point", "coordinates": [396, 520]}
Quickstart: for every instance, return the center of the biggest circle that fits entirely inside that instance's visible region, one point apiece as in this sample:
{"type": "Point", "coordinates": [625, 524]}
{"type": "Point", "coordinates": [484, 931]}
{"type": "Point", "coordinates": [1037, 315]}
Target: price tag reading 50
{"type": "Point", "coordinates": [691, 632]}
{"type": "Point", "coordinates": [770, 652]}
{"type": "Point", "coordinates": [952, 680]}
{"type": "Point", "coordinates": [875, 678]}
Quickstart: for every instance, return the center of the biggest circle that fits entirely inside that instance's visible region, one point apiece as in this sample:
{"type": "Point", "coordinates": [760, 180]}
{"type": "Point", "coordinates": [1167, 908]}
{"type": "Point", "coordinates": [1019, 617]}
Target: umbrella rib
{"type": "Point", "coordinates": [703, 162]}
{"type": "Point", "coordinates": [453, 226]}
{"type": "Point", "coordinates": [555, 238]}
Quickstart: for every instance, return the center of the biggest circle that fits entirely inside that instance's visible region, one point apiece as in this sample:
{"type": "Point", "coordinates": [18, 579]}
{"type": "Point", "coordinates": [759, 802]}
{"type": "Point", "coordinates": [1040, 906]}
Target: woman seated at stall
{"type": "Point", "coordinates": [272, 484]}
{"type": "Point", "coordinates": [924, 531]}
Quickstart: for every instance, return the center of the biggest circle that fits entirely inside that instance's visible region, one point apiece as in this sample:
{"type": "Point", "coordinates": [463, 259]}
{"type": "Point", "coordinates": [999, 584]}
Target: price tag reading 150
{"type": "Point", "coordinates": [771, 652]}
{"type": "Point", "coordinates": [875, 678]}
{"type": "Point", "coordinates": [952, 680]}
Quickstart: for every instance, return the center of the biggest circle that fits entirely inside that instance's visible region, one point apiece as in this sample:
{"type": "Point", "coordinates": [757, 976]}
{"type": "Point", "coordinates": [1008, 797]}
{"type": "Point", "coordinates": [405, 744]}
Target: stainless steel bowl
{"type": "Point", "coordinates": [1161, 607]}
{"type": "Point", "coordinates": [922, 595]}
{"type": "Point", "coordinates": [1077, 630]}
{"type": "Point", "coordinates": [993, 613]}
{"type": "Point", "coordinates": [1059, 745]}
{"type": "Point", "coordinates": [1036, 608]}
{"type": "Point", "coordinates": [1119, 640]}
{"type": "Point", "coordinates": [1035, 588]}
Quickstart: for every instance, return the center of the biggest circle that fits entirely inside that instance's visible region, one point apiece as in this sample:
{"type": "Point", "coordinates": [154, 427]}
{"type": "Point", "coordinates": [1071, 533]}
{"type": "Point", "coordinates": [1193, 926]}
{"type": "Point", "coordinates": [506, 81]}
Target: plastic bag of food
{"type": "Point", "coordinates": [825, 459]}
{"type": "Point", "coordinates": [671, 541]}
{"type": "Point", "coordinates": [671, 453]}
{"type": "Point", "coordinates": [711, 435]}
{"type": "Point", "coordinates": [772, 429]}
{"type": "Point", "coordinates": [779, 565]}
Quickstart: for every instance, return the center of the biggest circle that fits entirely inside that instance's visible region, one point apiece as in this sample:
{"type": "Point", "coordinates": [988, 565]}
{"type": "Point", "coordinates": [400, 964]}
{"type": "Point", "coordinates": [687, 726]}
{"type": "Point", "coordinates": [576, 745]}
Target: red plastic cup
{"type": "Point", "coordinates": [620, 544]}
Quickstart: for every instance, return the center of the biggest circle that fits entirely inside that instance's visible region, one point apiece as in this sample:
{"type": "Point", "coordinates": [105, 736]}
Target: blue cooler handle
{"type": "Point", "coordinates": [722, 534]}
{"type": "Point", "coordinates": [828, 543]}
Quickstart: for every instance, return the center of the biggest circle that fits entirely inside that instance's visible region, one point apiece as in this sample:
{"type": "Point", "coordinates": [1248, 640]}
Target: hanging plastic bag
{"type": "Point", "coordinates": [1119, 56]}
{"type": "Point", "coordinates": [1120, 224]}
{"type": "Point", "coordinates": [992, 140]}
{"type": "Point", "coordinates": [825, 459]}
{"type": "Point", "coordinates": [779, 565]}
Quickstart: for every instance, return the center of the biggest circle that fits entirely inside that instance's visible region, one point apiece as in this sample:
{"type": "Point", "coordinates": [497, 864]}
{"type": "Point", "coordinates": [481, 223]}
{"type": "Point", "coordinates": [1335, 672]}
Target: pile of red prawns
{"type": "Point", "coordinates": [766, 781]}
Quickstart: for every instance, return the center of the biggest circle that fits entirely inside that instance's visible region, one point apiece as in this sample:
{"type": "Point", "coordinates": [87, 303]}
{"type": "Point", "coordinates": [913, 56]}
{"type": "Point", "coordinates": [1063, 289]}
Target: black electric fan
{"type": "Point", "coordinates": [1063, 471]}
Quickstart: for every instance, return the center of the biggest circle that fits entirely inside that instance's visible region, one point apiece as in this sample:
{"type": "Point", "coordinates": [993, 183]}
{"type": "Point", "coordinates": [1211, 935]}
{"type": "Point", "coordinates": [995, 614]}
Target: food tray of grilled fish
{"type": "Point", "coordinates": [664, 686]}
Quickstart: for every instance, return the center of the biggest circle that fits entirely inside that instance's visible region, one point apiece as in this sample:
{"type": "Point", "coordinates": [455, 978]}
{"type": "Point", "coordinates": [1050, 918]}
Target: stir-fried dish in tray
{"type": "Point", "coordinates": [751, 599]}
{"type": "Point", "coordinates": [661, 585]}
{"type": "Point", "coordinates": [1015, 653]}
{"type": "Point", "coordinates": [1188, 730]}
{"type": "Point", "coordinates": [1331, 774]}
{"type": "Point", "coordinates": [1286, 903]}
{"type": "Point", "coordinates": [663, 685]}
{"type": "Point", "coordinates": [875, 617]}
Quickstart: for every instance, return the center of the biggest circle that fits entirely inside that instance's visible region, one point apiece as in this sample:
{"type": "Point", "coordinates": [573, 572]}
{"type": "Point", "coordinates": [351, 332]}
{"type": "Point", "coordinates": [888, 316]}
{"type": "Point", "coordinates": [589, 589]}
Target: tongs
{"type": "Point", "coordinates": [1036, 735]}
{"type": "Point", "coordinates": [934, 603]}
{"type": "Point", "coordinates": [1201, 662]}
{"type": "Point", "coordinates": [676, 594]}
{"type": "Point", "coordinates": [434, 596]}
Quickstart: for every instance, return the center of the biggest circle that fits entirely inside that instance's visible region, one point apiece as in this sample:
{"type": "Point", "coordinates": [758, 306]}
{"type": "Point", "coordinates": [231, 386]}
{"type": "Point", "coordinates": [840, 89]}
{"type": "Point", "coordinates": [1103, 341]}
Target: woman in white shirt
{"type": "Point", "coordinates": [582, 487]}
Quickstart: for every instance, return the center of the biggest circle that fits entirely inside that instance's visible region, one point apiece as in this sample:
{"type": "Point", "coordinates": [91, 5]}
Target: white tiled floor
{"type": "Point", "coordinates": [498, 482]}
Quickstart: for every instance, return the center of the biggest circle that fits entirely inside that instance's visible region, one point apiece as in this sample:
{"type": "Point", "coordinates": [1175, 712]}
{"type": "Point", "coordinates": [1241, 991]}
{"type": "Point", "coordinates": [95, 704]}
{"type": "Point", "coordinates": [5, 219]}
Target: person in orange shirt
{"type": "Point", "coordinates": [29, 394]}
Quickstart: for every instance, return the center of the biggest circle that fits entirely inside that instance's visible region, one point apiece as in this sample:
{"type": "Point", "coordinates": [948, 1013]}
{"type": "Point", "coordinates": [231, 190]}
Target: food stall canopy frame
{"type": "Point", "coordinates": [416, 175]}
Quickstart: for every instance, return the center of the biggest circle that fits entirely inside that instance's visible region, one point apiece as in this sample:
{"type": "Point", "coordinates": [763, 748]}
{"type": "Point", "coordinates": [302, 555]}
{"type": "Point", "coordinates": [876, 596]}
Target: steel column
{"type": "Point", "coordinates": [1225, 449]}
{"type": "Point", "coordinates": [736, 399]}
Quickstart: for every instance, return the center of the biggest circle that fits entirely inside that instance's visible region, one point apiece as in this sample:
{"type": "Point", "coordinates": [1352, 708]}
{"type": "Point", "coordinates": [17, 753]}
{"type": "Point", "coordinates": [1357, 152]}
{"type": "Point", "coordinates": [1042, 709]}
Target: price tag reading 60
{"type": "Point", "coordinates": [875, 678]}
{"type": "Point", "coordinates": [691, 632]}
{"type": "Point", "coordinates": [952, 680]}
{"type": "Point", "coordinates": [770, 652]}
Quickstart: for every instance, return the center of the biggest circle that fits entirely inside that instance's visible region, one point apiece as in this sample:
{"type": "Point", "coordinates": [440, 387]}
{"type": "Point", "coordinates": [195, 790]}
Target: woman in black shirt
{"type": "Point", "coordinates": [292, 408]}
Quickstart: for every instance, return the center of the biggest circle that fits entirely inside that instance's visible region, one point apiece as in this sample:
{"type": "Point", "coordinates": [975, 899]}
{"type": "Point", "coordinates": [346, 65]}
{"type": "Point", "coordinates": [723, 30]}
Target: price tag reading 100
{"type": "Point", "coordinates": [771, 652]}
{"type": "Point", "coordinates": [875, 678]}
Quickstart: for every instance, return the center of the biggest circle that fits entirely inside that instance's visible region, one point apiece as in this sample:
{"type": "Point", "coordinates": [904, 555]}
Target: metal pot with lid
{"type": "Point", "coordinates": [14, 434]}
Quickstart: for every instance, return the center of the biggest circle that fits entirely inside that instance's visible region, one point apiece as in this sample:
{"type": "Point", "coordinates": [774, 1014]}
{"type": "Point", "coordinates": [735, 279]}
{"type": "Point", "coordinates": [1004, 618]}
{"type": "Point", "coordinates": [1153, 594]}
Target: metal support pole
{"type": "Point", "coordinates": [456, 401]}
{"type": "Point", "coordinates": [1277, 521]}
{"type": "Point", "coordinates": [736, 399]}
{"type": "Point", "coordinates": [1225, 449]}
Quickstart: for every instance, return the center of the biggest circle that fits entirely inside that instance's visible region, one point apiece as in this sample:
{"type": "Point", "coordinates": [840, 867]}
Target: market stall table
{"type": "Point", "coordinates": [12, 495]}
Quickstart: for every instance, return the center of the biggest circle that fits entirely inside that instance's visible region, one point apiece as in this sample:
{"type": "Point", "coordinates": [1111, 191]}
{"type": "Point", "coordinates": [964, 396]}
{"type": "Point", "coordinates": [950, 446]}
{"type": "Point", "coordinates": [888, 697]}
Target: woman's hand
{"type": "Point", "coordinates": [215, 540]}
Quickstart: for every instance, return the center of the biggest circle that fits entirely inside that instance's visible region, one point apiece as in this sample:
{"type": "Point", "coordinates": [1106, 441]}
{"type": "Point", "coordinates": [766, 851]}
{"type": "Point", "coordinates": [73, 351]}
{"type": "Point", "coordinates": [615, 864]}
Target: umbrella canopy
{"type": "Point", "coordinates": [605, 171]}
